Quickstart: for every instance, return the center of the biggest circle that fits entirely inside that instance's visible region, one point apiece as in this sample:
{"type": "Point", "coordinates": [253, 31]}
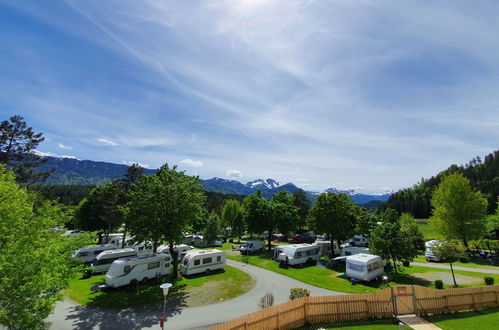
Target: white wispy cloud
{"type": "Point", "coordinates": [107, 142]}
{"type": "Point", "coordinates": [234, 174]}
{"type": "Point", "coordinates": [50, 154]}
{"type": "Point", "coordinates": [65, 147]}
{"type": "Point", "coordinates": [193, 163]}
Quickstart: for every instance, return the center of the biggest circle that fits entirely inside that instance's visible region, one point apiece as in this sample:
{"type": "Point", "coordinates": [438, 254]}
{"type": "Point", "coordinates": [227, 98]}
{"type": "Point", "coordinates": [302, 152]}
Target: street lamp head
{"type": "Point", "coordinates": [385, 278]}
{"type": "Point", "coordinates": [165, 287]}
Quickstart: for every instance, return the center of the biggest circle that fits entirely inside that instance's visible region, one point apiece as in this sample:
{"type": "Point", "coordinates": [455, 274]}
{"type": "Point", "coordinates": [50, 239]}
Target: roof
{"type": "Point", "coordinates": [362, 257]}
{"type": "Point", "coordinates": [201, 252]}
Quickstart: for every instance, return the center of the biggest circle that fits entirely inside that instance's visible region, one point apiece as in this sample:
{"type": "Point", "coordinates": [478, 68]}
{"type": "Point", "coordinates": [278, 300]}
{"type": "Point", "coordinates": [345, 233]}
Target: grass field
{"type": "Point", "coordinates": [428, 231]}
{"type": "Point", "coordinates": [186, 292]}
{"type": "Point", "coordinates": [475, 263]}
{"type": "Point", "coordinates": [483, 320]}
{"type": "Point", "coordinates": [367, 324]}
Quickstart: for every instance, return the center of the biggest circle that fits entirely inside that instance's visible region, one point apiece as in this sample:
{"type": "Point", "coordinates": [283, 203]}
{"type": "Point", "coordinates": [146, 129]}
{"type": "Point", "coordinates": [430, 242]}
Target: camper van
{"type": "Point", "coordinates": [123, 271]}
{"type": "Point", "coordinates": [295, 254]}
{"type": "Point", "coordinates": [112, 238]}
{"type": "Point", "coordinates": [325, 248]}
{"type": "Point", "coordinates": [144, 248]}
{"type": "Point", "coordinates": [200, 242]}
{"type": "Point", "coordinates": [352, 250]}
{"type": "Point", "coordinates": [428, 252]}
{"type": "Point", "coordinates": [364, 267]}
{"type": "Point", "coordinates": [88, 253]}
{"type": "Point", "coordinates": [200, 261]}
{"type": "Point", "coordinates": [181, 249]}
{"type": "Point", "coordinates": [104, 260]}
{"type": "Point", "coordinates": [249, 247]}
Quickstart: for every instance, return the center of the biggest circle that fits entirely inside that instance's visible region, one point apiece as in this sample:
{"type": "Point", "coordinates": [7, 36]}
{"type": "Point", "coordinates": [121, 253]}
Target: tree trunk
{"type": "Point", "coordinates": [395, 265]}
{"type": "Point", "coordinates": [174, 256]}
{"type": "Point", "coordinates": [332, 245]}
{"type": "Point", "coordinates": [270, 241]}
{"type": "Point", "coordinates": [123, 239]}
{"type": "Point", "coordinates": [452, 271]}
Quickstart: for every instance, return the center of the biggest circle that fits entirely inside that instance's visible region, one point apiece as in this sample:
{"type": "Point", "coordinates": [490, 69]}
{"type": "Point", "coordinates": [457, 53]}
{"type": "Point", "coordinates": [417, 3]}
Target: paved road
{"type": "Point", "coordinates": [67, 315]}
{"type": "Point", "coordinates": [466, 269]}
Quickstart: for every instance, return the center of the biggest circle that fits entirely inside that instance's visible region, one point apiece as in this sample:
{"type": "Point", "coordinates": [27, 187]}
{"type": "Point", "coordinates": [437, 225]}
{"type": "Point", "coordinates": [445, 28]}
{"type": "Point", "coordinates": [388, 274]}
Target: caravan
{"type": "Point", "coordinates": [365, 267]}
{"type": "Point", "coordinates": [325, 248]}
{"type": "Point", "coordinates": [123, 271]}
{"type": "Point", "coordinates": [104, 260]}
{"type": "Point", "coordinates": [113, 238]}
{"type": "Point", "coordinates": [249, 247]}
{"type": "Point", "coordinates": [181, 249]}
{"type": "Point", "coordinates": [429, 253]}
{"type": "Point", "coordinates": [200, 261]}
{"type": "Point", "coordinates": [353, 250]}
{"type": "Point", "coordinates": [144, 248]}
{"type": "Point", "coordinates": [200, 242]}
{"type": "Point", "coordinates": [88, 253]}
{"type": "Point", "coordinates": [296, 254]}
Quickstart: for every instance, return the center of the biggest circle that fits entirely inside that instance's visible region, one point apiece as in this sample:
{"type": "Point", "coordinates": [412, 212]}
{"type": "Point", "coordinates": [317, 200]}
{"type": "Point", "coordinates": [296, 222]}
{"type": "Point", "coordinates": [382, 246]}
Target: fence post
{"type": "Point", "coordinates": [278, 323]}
{"type": "Point", "coordinates": [305, 309]}
{"type": "Point", "coordinates": [474, 300]}
{"type": "Point", "coordinates": [245, 325]}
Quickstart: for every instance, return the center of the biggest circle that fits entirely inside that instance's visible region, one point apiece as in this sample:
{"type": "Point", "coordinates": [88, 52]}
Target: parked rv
{"type": "Point", "coordinates": [123, 271]}
{"type": "Point", "coordinates": [325, 248]}
{"type": "Point", "coordinates": [144, 248]}
{"type": "Point", "coordinates": [365, 267]}
{"type": "Point", "coordinates": [249, 247]}
{"type": "Point", "coordinates": [352, 250]}
{"type": "Point", "coordinates": [104, 260]}
{"type": "Point", "coordinates": [200, 242]}
{"type": "Point", "coordinates": [306, 237]}
{"type": "Point", "coordinates": [181, 249]}
{"type": "Point", "coordinates": [112, 238]}
{"type": "Point", "coordinates": [295, 254]}
{"type": "Point", "coordinates": [88, 253]}
{"type": "Point", "coordinates": [428, 253]}
{"type": "Point", "coordinates": [201, 261]}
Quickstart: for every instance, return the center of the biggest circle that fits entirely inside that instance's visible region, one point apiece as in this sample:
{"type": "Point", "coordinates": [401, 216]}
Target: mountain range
{"type": "Point", "coordinates": [72, 171]}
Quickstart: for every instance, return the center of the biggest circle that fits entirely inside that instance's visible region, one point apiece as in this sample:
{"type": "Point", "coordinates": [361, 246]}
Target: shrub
{"type": "Point", "coordinates": [439, 284]}
{"type": "Point", "coordinates": [87, 272]}
{"type": "Point", "coordinates": [266, 301]}
{"type": "Point", "coordinates": [489, 280]}
{"type": "Point", "coordinates": [298, 293]}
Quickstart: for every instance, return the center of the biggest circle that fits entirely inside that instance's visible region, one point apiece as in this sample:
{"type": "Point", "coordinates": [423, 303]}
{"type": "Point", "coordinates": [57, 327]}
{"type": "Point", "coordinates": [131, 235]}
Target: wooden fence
{"type": "Point", "coordinates": [384, 303]}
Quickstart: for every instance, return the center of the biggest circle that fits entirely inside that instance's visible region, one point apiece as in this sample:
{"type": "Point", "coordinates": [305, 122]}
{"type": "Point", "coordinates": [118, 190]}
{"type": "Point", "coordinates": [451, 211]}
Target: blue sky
{"type": "Point", "coordinates": [371, 95]}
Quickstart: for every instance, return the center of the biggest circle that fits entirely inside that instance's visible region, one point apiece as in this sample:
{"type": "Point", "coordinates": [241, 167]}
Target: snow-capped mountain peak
{"type": "Point", "coordinates": [263, 184]}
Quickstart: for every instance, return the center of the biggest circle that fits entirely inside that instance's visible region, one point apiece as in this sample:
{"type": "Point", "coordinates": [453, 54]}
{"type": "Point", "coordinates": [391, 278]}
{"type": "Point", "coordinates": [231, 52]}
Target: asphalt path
{"type": "Point", "coordinates": [466, 269]}
{"type": "Point", "coordinates": [68, 315]}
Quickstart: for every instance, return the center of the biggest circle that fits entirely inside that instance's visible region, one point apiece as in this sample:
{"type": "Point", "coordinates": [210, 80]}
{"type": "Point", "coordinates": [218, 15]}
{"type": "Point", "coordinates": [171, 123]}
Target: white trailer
{"type": "Point", "coordinates": [144, 248]}
{"type": "Point", "coordinates": [364, 267]}
{"type": "Point", "coordinates": [429, 253]}
{"type": "Point", "coordinates": [181, 249]}
{"type": "Point", "coordinates": [201, 261]}
{"type": "Point", "coordinates": [353, 250]}
{"type": "Point", "coordinates": [200, 242]}
{"type": "Point", "coordinates": [112, 238]}
{"type": "Point", "coordinates": [88, 253]}
{"type": "Point", "coordinates": [123, 271]}
{"type": "Point", "coordinates": [251, 247]}
{"type": "Point", "coordinates": [104, 260]}
{"type": "Point", "coordinates": [325, 248]}
{"type": "Point", "coordinates": [295, 254]}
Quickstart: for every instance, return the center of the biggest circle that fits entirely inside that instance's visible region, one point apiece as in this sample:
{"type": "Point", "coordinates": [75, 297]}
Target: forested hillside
{"type": "Point", "coordinates": [484, 176]}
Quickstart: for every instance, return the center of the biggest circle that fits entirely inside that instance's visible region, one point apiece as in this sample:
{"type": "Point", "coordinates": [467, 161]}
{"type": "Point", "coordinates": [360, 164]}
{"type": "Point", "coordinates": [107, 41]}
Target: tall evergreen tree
{"type": "Point", "coordinates": [301, 201]}
{"type": "Point", "coordinates": [17, 144]}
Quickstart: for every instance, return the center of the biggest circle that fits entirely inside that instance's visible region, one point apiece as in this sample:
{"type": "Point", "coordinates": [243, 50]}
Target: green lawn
{"type": "Point", "coordinates": [328, 279]}
{"type": "Point", "coordinates": [474, 263]}
{"type": "Point", "coordinates": [367, 324]}
{"type": "Point", "coordinates": [483, 320]}
{"type": "Point", "coordinates": [428, 231]}
{"type": "Point", "coordinates": [186, 292]}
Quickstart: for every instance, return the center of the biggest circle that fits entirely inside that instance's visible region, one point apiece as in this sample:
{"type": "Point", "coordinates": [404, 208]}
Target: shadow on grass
{"type": "Point", "coordinates": [131, 307]}
{"type": "Point", "coordinates": [350, 323]}
{"type": "Point", "coordinates": [213, 272]}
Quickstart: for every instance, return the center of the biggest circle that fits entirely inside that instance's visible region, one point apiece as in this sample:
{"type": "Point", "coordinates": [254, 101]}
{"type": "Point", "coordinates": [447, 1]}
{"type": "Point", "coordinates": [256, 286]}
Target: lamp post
{"type": "Point", "coordinates": [385, 280]}
{"type": "Point", "coordinates": [165, 287]}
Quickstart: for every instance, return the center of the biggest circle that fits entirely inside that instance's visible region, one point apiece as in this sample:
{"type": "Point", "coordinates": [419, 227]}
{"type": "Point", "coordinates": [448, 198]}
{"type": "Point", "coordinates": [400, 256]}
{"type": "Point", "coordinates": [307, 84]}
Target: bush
{"type": "Point", "coordinates": [87, 272]}
{"type": "Point", "coordinates": [298, 293]}
{"type": "Point", "coordinates": [489, 280]}
{"type": "Point", "coordinates": [266, 301]}
{"type": "Point", "coordinates": [439, 284]}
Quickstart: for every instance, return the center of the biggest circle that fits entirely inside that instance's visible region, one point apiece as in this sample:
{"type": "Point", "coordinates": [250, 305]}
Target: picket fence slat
{"type": "Point", "coordinates": [379, 304]}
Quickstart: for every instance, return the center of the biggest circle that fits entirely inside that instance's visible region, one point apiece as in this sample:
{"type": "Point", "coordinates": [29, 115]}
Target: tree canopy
{"type": "Point", "coordinates": [161, 207]}
{"type": "Point", "coordinates": [458, 211]}
{"type": "Point", "coordinates": [17, 144]}
{"type": "Point", "coordinates": [301, 201]}
{"type": "Point", "coordinates": [232, 216]}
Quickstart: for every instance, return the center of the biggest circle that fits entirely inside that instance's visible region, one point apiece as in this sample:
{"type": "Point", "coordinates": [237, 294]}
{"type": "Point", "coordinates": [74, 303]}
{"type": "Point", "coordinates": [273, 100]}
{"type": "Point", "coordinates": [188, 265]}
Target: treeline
{"type": "Point", "coordinates": [483, 175]}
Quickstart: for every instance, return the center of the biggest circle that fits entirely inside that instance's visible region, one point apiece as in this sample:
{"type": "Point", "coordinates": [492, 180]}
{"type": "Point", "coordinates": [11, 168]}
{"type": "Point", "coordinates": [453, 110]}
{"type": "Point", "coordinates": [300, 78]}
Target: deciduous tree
{"type": "Point", "coordinates": [458, 211]}
{"type": "Point", "coordinates": [232, 216]}
{"type": "Point", "coordinates": [449, 252]}
{"type": "Point", "coordinates": [301, 201]}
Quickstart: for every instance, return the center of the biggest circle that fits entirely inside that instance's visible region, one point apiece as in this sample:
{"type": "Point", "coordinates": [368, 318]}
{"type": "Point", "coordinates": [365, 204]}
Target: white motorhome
{"type": "Point", "coordinates": [113, 238]}
{"type": "Point", "coordinates": [428, 252]}
{"type": "Point", "coordinates": [200, 242]}
{"type": "Point", "coordinates": [365, 267]}
{"type": "Point", "coordinates": [88, 253]}
{"type": "Point", "coordinates": [295, 254]}
{"type": "Point", "coordinates": [325, 248]}
{"type": "Point", "coordinates": [181, 249]}
{"type": "Point", "coordinates": [200, 261]}
{"type": "Point", "coordinates": [251, 247]}
{"type": "Point", "coordinates": [353, 250]}
{"type": "Point", "coordinates": [103, 261]}
{"type": "Point", "coordinates": [144, 248]}
{"type": "Point", "coordinates": [123, 271]}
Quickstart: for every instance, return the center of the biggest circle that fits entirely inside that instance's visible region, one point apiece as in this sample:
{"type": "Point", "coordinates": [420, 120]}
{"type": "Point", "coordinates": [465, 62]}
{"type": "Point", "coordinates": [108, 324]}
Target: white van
{"type": "Point", "coordinates": [123, 271]}
{"type": "Point", "coordinates": [325, 248]}
{"type": "Point", "coordinates": [365, 267]}
{"type": "Point", "coordinates": [200, 261]}
{"type": "Point", "coordinates": [104, 260]}
{"type": "Point", "coordinates": [88, 253]}
{"type": "Point", "coordinates": [295, 254]}
{"type": "Point", "coordinates": [428, 252]}
{"type": "Point", "coordinates": [181, 249]}
{"type": "Point", "coordinates": [251, 246]}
